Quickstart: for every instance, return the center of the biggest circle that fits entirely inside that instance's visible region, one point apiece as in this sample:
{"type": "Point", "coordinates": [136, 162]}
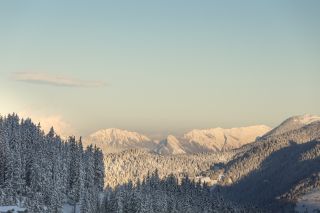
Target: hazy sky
{"type": "Point", "coordinates": [159, 66]}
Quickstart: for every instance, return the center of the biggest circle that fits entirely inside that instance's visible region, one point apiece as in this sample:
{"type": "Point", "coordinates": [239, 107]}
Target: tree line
{"type": "Point", "coordinates": [166, 195]}
{"type": "Point", "coordinates": [42, 172]}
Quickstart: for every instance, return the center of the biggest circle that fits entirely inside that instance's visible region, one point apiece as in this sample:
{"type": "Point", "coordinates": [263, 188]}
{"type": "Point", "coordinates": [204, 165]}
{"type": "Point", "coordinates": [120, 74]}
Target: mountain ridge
{"type": "Point", "coordinates": [194, 141]}
{"type": "Point", "coordinates": [115, 140]}
{"type": "Point", "coordinates": [293, 123]}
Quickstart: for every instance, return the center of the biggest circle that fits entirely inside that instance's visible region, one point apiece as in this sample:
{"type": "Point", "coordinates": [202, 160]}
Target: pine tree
{"type": "Point", "coordinates": [43, 170]}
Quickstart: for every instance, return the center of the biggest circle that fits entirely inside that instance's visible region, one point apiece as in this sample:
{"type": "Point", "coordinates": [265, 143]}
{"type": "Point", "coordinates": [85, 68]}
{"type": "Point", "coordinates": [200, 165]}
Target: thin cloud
{"type": "Point", "coordinates": [54, 80]}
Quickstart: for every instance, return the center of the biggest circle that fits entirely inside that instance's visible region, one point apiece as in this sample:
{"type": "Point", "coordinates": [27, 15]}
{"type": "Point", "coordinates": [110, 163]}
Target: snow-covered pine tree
{"type": "Point", "coordinates": [41, 171]}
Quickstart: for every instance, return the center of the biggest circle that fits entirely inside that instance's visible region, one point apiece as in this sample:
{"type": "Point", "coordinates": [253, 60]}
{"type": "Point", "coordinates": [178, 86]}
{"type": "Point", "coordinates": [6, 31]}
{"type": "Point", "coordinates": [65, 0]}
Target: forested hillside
{"type": "Point", "coordinates": [133, 165]}
{"type": "Point", "coordinates": [168, 195]}
{"type": "Point", "coordinates": [42, 173]}
{"type": "Point", "coordinates": [256, 153]}
{"type": "Point", "coordinates": [274, 170]}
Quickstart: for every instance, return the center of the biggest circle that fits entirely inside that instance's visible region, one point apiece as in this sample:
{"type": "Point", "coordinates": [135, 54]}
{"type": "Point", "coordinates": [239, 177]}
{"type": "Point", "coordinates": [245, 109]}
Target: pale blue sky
{"type": "Point", "coordinates": [160, 66]}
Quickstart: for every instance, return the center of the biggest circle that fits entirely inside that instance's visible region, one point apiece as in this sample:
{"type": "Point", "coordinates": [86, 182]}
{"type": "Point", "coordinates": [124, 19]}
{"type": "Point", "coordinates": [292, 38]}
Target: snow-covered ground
{"type": "Point", "coordinates": [309, 202]}
{"type": "Point", "coordinates": [13, 209]}
{"type": "Point", "coordinates": [207, 180]}
{"type": "Point", "coordinates": [67, 208]}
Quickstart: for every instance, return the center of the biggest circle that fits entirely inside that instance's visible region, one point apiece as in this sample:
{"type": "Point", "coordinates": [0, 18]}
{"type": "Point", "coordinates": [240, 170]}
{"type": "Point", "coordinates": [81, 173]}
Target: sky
{"type": "Point", "coordinates": [159, 67]}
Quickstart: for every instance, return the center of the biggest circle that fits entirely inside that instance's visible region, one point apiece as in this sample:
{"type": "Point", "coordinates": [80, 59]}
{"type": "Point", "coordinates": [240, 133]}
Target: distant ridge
{"type": "Point", "coordinates": [195, 141]}
{"type": "Point", "coordinates": [293, 123]}
{"type": "Point", "coordinates": [115, 140]}
{"type": "Point", "coordinates": [219, 139]}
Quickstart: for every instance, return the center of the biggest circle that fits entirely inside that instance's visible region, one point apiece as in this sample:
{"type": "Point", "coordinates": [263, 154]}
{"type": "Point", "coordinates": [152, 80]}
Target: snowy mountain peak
{"type": "Point", "coordinates": [118, 136]}
{"type": "Point", "coordinates": [293, 123]}
{"type": "Point", "coordinates": [116, 140]}
{"type": "Point", "coordinates": [172, 139]}
{"type": "Point", "coordinates": [304, 119]}
{"type": "Point", "coordinates": [213, 131]}
{"type": "Point", "coordinates": [217, 139]}
{"type": "Point", "coordinates": [197, 140]}
{"type": "Point", "coordinates": [170, 145]}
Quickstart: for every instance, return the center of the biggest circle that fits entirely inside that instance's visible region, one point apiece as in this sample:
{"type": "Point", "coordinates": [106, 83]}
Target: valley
{"type": "Point", "coordinates": [226, 168]}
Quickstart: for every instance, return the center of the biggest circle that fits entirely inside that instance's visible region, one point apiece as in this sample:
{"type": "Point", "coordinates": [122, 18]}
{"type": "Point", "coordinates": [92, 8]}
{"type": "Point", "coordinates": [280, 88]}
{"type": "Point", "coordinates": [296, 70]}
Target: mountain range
{"type": "Point", "coordinates": [117, 140]}
{"type": "Point", "coordinates": [283, 163]}
{"type": "Point", "coordinates": [194, 141]}
{"type": "Point", "coordinates": [114, 140]}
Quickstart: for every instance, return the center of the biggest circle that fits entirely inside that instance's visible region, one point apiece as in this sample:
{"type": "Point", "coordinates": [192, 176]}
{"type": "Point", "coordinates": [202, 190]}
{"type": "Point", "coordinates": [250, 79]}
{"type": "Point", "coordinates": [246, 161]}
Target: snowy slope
{"type": "Point", "coordinates": [293, 123]}
{"type": "Point", "coordinates": [67, 208]}
{"type": "Point", "coordinates": [114, 140]}
{"type": "Point", "coordinates": [205, 140]}
{"type": "Point", "coordinates": [170, 145]}
{"type": "Point", "coordinates": [218, 139]}
{"type": "Point", "coordinates": [309, 202]}
{"type": "Point", "coordinates": [12, 209]}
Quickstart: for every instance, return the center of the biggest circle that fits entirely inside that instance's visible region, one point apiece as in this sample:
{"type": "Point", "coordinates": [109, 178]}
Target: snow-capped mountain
{"type": "Point", "coordinates": [195, 141]}
{"type": "Point", "coordinates": [170, 145]}
{"type": "Point", "coordinates": [293, 123]}
{"type": "Point", "coordinates": [219, 139]}
{"type": "Point", "coordinates": [114, 140]}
